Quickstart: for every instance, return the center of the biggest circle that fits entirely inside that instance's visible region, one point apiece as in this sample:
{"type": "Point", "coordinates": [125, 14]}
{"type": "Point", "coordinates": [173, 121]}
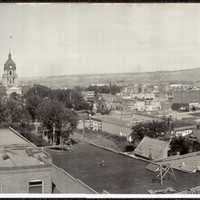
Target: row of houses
{"type": "Point", "coordinates": [114, 127]}
{"type": "Point", "coordinates": [122, 126]}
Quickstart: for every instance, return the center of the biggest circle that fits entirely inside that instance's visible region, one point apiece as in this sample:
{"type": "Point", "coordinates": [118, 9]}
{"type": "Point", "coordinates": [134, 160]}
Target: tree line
{"type": "Point", "coordinates": [106, 89]}
{"type": "Point", "coordinates": [54, 108]}
{"type": "Point", "coordinates": [162, 130]}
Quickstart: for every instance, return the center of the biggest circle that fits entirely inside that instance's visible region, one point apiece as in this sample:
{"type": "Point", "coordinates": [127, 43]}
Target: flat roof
{"type": "Point", "coordinates": [125, 119]}
{"type": "Point", "coordinates": [120, 173]}
{"type": "Point", "coordinates": [18, 158]}
{"type": "Point", "coordinates": [17, 152]}
{"type": "Point", "coordinates": [111, 119]}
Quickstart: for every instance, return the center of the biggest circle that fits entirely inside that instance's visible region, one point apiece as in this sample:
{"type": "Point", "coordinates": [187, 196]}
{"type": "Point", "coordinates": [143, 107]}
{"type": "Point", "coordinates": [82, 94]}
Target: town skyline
{"type": "Point", "coordinates": [99, 38]}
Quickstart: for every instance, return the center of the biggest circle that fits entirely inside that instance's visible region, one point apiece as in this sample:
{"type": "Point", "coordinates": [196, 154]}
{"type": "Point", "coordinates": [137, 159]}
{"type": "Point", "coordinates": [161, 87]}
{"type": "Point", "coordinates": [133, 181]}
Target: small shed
{"type": "Point", "coordinates": [152, 149]}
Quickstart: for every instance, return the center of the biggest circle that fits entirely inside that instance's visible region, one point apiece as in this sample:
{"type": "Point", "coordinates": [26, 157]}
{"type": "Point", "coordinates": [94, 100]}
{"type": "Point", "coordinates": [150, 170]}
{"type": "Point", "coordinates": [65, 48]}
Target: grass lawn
{"type": "Point", "coordinates": [120, 173]}
{"type": "Point", "coordinates": [104, 139]}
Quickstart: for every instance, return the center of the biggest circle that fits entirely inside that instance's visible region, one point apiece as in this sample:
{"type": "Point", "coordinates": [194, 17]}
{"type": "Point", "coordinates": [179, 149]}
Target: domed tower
{"type": "Point", "coordinates": [9, 76]}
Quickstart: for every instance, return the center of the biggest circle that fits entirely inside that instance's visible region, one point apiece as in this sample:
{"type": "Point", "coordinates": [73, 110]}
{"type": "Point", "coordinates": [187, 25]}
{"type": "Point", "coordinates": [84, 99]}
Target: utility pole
{"type": "Point", "coordinates": [83, 127]}
{"type": "Point", "coordinates": [54, 131]}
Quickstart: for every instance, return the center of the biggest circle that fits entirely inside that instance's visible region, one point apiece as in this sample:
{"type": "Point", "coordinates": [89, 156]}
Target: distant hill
{"type": "Point", "coordinates": [186, 76]}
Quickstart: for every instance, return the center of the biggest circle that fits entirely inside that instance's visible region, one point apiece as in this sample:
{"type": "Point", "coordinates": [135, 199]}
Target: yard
{"type": "Point", "coordinates": [119, 174]}
{"type": "Point", "coordinates": [103, 139]}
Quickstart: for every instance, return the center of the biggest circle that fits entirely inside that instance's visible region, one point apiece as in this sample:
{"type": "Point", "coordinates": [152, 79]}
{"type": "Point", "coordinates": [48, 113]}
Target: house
{"type": "Point", "coordinates": [140, 105]}
{"type": "Point", "coordinates": [113, 125]}
{"type": "Point", "coordinates": [88, 95]}
{"type": "Point", "coordinates": [183, 129]}
{"type": "Point", "coordinates": [112, 101]}
{"type": "Point", "coordinates": [153, 106]}
{"type": "Point", "coordinates": [147, 105]}
{"type": "Point", "coordinates": [95, 124]}
{"type": "Point", "coordinates": [152, 149]}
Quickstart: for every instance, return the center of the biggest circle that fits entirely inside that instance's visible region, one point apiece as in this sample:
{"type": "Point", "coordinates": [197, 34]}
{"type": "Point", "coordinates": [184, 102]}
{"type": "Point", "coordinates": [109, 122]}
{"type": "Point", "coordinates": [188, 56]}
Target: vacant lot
{"type": "Point", "coordinates": [103, 139]}
{"type": "Point", "coordinates": [120, 173]}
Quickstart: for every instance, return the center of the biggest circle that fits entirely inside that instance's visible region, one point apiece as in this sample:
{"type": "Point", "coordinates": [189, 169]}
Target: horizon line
{"type": "Point", "coordinates": [107, 73]}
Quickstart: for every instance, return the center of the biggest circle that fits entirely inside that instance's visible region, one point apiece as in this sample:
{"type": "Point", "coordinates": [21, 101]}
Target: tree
{"type": "Point", "coordinates": [113, 89]}
{"type": "Point", "coordinates": [183, 145]}
{"type": "Point", "coordinates": [180, 145]}
{"type": "Point", "coordinates": [15, 109]}
{"type": "Point", "coordinates": [69, 123]}
{"type": "Point", "coordinates": [34, 97]}
{"type": "Point", "coordinates": [3, 91]}
{"type": "Point", "coordinates": [70, 98]}
{"type": "Point", "coordinates": [39, 90]}
{"type": "Point", "coordinates": [54, 113]}
{"type": "Point", "coordinates": [32, 103]}
{"type": "Point", "coordinates": [3, 113]}
{"type": "Point", "coordinates": [152, 129]}
{"type": "Point", "coordinates": [103, 108]}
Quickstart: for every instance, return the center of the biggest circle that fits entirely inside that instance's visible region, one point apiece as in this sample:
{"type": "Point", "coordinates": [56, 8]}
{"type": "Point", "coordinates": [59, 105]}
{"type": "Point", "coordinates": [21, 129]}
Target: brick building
{"type": "Point", "coordinates": [25, 168]}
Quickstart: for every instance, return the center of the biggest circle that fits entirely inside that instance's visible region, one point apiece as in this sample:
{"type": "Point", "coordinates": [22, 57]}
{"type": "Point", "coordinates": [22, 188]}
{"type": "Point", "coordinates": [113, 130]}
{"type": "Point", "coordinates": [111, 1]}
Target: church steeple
{"type": "Point", "coordinates": [9, 64]}
{"type": "Point", "coordinates": [9, 55]}
{"type": "Point", "coordinates": [9, 76]}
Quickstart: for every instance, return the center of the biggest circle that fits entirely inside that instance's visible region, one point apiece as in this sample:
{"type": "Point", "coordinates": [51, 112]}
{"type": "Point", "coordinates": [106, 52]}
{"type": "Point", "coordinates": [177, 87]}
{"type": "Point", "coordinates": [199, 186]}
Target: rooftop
{"type": "Point", "coordinates": [152, 148]}
{"type": "Point", "coordinates": [184, 124]}
{"type": "Point", "coordinates": [123, 119]}
{"type": "Point", "coordinates": [8, 137]}
{"type": "Point", "coordinates": [120, 173]}
{"type": "Point", "coordinates": [20, 158]}
{"type": "Point", "coordinates": [111, 119]}
{"type": "Point", "coordinates": [9, 64]}
{"type": "Point", "coordinates": [16, 151]}
{"type": "Point", "coordinates": [188, 162]}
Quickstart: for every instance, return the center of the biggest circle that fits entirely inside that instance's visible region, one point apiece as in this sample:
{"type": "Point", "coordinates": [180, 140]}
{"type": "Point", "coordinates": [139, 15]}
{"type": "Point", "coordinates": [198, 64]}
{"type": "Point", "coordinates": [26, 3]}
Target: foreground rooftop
{"type": "Point", "coordinates": [16, 152]}
{"type": "Point", "coordinates": [119, 173]}
{"type": "Point", "coordinates": [9, 137]}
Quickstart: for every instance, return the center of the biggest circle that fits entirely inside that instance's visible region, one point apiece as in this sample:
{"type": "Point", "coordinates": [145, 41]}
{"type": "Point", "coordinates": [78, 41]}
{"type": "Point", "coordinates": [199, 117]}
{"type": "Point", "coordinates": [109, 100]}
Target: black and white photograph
{"type": "Point", "coordinates": [100, 99]}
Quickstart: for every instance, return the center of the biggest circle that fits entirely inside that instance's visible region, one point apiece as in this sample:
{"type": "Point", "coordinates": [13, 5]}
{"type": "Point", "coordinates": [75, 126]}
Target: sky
{"type": "Point", "coordinates": [61, 39]}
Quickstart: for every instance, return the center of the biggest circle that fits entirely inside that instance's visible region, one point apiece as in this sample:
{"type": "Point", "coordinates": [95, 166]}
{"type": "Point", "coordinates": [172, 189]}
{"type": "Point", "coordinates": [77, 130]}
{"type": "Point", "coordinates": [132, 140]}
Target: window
{"type": "Point", "coordinates": [35, 186]}
{"type": "Point", "coordinates": [53, 187]}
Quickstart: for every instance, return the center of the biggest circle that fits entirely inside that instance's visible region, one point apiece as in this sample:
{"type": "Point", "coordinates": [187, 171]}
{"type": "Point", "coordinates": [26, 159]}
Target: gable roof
{"type": "Point", "coordinates": [189, 162]}
{"type": "Point", "coordinates": [152, 149]}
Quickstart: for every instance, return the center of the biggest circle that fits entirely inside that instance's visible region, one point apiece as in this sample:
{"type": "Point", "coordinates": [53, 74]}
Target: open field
{"type": "Point", "coordinates": [103, 139]}
{"type": "Point", "coordinates": [121, 174]}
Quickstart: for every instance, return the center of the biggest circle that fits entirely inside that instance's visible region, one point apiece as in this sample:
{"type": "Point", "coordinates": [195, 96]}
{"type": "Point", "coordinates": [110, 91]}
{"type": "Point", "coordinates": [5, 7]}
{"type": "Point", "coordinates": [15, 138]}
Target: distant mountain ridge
{"type": "Point", "coordinates": [176, 76]}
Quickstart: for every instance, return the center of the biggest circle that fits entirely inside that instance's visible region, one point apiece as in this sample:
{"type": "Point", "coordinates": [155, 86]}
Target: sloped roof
{"type": "Point", "coordinates": [9, 63]}
{"type": "Point", "coordinates": [188, 162]}
{"type": "Point", "coordinates": [7, 137]}
{"type": "Point", "coordinates": [152, 149]}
